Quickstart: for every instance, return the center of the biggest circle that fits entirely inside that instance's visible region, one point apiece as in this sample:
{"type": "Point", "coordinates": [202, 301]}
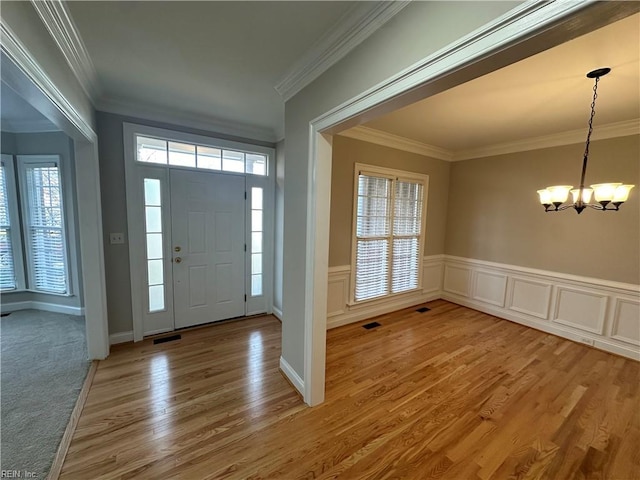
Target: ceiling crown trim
{"type": "Point", "coordinates": [362, 20]}
{"type": "Point", "coordinates": [206, 123]}
{"type": "Point", "coordinates": [58, 21]}
{"type": "Point", "coordinates": [28, 126]}
{"type": "Point", "coordinates": [386, 139]}
{"type": "Point", "coordinates": [601, 132]}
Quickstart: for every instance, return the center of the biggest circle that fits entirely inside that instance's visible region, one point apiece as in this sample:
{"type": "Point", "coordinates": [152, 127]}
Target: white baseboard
{"type": "Point", "coordinates": [277, 312]}
{"type": "Point", "coordinates": [121, 337]}
{"type": "Point", "coordinates": [45, 306]}
{"type": "Point", "coordinates": [291, 374]}
{"type": "Point", "coordinates": [601, 344]}
{"type": "Point", "coordinates": [340, 312]}
{"type": "Point", "coordinates": [600, 313]}
{"type": "Point", "coordinates": [359, 313]}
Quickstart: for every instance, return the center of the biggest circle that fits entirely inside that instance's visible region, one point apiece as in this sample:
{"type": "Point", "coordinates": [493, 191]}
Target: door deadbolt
{"type": "Point", "coordinates": [177, 249]}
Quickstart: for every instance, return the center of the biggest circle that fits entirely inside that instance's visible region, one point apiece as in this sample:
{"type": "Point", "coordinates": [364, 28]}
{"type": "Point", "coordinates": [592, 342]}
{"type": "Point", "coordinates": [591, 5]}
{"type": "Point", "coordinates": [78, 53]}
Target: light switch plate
{"type": "Point", "coordinates": [116, 238]}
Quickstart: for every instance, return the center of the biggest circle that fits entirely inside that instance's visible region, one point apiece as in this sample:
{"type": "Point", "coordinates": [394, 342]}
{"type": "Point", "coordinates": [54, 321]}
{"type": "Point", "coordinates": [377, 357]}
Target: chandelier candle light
{"type": "Point", "coordinates": [606, 194]}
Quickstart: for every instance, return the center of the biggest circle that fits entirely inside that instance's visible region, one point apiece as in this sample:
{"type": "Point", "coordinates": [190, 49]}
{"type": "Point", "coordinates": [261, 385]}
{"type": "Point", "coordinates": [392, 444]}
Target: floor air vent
{"type": "Point", "coordinates": [170, 338]}
{"type": "Point", "coordinates": [423, 309]}
{"type": "Point", "coordinates": [371, 325]}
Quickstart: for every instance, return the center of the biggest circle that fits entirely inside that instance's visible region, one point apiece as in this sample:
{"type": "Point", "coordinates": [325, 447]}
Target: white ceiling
{"type": "Point", "coordinates": [542, 95]}
{"type": "Point", "coordinates": [215, 60]}
{"type": "Point", "coordinates": [18, 116]}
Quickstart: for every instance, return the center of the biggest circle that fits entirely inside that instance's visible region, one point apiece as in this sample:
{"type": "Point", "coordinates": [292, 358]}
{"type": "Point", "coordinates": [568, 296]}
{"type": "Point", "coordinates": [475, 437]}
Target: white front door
{"type": "Point", "coordinates": [208, 246]}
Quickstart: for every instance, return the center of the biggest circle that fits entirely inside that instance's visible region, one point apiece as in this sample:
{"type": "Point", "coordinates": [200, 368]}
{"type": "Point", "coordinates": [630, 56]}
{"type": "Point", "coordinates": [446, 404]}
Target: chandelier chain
{"type": "Point", "coordinates": [586, 148]}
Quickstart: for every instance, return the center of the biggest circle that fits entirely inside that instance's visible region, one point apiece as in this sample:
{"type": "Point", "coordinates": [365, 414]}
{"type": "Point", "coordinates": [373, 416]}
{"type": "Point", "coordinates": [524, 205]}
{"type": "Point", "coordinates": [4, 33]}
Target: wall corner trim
{"type": "Point", "coordinates": [356, 25]}
{"type": "Point", "coordinates": [59, 22]}
{"type": "Point", "coordinates": [292, 376]}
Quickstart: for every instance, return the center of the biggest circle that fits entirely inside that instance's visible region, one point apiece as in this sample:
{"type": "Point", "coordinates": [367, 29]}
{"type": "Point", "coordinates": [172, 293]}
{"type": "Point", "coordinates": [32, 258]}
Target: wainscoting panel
{"type": "Point", "coordinates": [625, 320]}
{"type": "Point", "coordinates": [530, 297]}
{"type": "Point", "coordinates": [490, 287]}
{"type": "Point", "coordinates": [581, 309]}
{"type": "Point", "coordinates": [432, 271]}
{"type": "Point", "coordinates": [457, 279]}
{"type": "Point", "coordinates": [338, 290]}
{"type": "Point", "coordinates": [341, 312]}
{"type": "Point", "coordinates": [600, 313]}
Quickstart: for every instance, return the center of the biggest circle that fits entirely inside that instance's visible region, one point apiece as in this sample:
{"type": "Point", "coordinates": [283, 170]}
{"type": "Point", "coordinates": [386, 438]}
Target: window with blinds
{"type": "Point", "coordinates": [388, 232]}
{"type": "Point", "coordinates": [7, 269]}
{"type": "Point", "coordinates": [44, 227]}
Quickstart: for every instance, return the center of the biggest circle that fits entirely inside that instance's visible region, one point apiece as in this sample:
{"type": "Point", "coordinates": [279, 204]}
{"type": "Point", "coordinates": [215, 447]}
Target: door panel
{"type": "Point", "coordinates": [207, 218]}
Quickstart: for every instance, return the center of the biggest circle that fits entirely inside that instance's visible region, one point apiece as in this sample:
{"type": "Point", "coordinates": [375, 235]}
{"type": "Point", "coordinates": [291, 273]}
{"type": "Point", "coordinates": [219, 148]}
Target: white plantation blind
{"type": "Point", "coordinates": [389, 213]}
{"type": "Point", "coordinates": [7, 270]}
{"type": "Point", "coordinates": [44, 225]}
{"type": "Point", "coordinates": [372, 232]}
{"type": "Point", "coordinates": [407, 224]}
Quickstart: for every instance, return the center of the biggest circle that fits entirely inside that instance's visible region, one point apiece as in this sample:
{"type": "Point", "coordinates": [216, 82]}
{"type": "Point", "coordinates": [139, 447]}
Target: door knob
{"type": "Point", "coordinates": [177, 260]}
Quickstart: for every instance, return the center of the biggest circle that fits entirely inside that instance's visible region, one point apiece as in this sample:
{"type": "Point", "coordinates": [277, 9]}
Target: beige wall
{"type": "Point", "coordinates": [494, 213]}
{"type": "Point", "coordinates": [346, 153]}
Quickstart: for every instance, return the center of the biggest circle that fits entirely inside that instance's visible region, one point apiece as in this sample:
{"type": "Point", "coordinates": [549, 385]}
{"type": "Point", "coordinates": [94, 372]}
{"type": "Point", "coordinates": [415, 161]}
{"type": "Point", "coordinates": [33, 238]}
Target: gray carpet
{"type": "Point", "coordinates": [43, 365]}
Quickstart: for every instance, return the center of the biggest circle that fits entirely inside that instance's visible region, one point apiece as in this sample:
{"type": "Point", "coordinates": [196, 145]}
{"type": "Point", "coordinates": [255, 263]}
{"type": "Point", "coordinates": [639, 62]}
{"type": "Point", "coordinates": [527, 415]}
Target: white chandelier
{"type": "Point", "coordinates": [609, 196]}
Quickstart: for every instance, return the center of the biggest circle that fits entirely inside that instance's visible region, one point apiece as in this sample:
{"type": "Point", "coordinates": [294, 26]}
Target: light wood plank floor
{"type": "Point", "coordinates": [451, 393]}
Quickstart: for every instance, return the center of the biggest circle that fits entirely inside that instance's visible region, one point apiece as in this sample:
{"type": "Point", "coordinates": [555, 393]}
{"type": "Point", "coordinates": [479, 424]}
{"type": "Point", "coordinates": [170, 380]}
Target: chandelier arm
{"type": "Point", "coordinates": [595, 206]}
{"type": "Point", "coordinates": [564, 207]}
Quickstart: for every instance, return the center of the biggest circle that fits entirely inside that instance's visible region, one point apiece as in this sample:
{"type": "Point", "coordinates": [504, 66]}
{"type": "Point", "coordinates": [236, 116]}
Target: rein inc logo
{"type": "Point", "coordinates": [17, 474]}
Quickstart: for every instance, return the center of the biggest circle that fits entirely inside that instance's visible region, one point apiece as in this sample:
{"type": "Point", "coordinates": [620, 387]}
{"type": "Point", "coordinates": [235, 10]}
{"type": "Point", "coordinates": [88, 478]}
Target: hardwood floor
{"type": "Point", "coordinates": [450, 394]}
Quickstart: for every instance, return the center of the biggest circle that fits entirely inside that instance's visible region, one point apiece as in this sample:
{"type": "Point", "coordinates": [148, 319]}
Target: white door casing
{"type": "Point", "coordinates": [208, 247]}
{"type": "Point", "coordinates": [148, 321]}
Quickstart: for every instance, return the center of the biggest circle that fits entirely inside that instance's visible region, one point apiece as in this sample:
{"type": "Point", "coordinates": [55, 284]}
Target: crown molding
{"type": "Point", "coordinates": [386, 139]}
{"type": "Point", "coordinates": [58, 21]}
{"type": "Point", "coordinates": [600, 132]}
{"type": "Point", "coordinates": [201, 122]}
{"type": "Point", "coordinates": [28, 126]}
{"type": "Point", "coordinates": [358, 23]}
{"type": "Point", "coordinates": [15, 51]}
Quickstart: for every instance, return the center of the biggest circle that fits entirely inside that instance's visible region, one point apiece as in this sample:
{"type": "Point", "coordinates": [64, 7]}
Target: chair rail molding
{"type": "Point", "coordinates": [56, 17]}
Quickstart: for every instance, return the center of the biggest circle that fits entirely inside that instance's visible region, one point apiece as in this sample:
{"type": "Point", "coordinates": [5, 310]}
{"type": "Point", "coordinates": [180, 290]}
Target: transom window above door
{"type": "Point", "coordinates": [206, 157]}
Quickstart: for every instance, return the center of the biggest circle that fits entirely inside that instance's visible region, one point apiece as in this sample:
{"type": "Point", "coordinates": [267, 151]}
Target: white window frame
{"type": "Point", "coordinates": [134, 175]}
{"type": "Point", "coordinates": [15, 225]}
{"type": "Point", "coordinates": [23, 161]}
{"type": "Point", "coordinates": [394, 175]}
